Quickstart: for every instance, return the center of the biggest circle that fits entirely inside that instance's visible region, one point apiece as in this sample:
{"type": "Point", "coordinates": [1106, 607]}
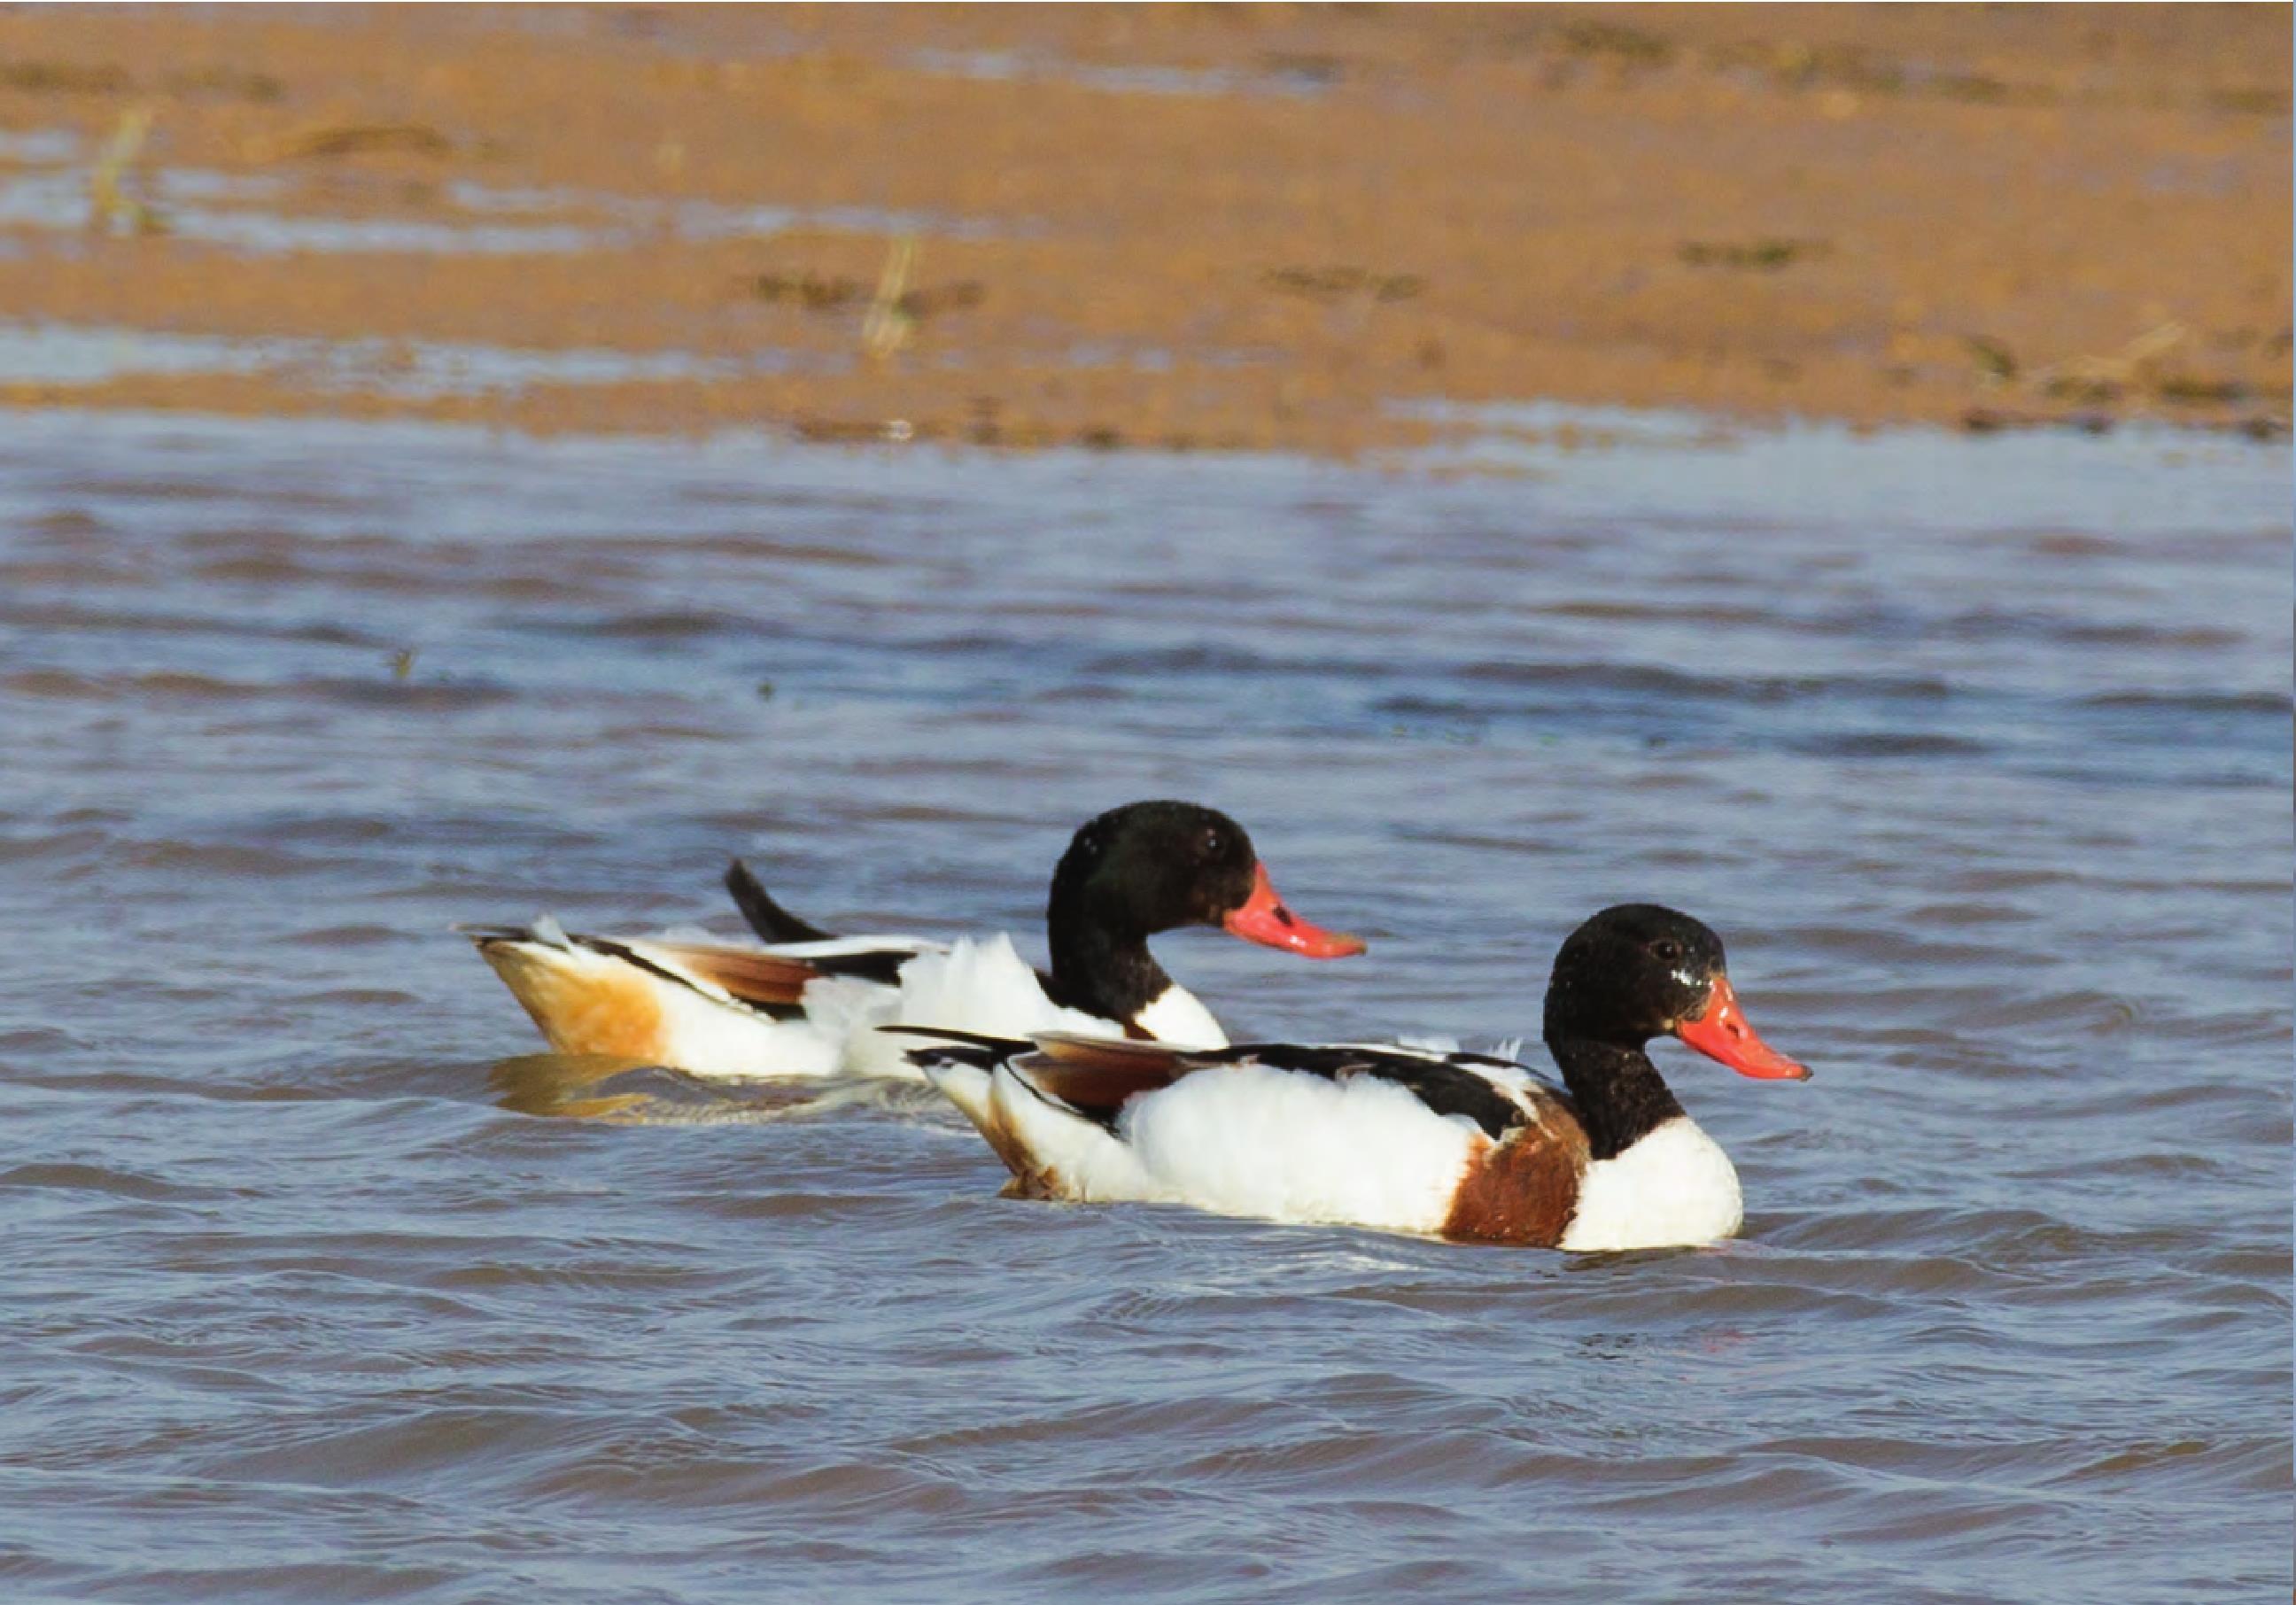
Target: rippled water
{"type": "Point", "coordinates": [1978, 752]}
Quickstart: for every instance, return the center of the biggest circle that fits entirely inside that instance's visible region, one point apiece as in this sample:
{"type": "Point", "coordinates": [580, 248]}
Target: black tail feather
{"type": "Point", "coordinates": [957, 1047]}
{"type": "Point", "coordinates": [1004, 1044]}
{"type": "Point", "coordinates": [767, 918]}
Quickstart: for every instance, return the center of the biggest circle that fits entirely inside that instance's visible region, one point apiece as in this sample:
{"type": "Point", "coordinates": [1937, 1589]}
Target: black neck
{"type": "Point", "coordinates": [1098, 969]}
{"type": "Point", "coordinates": [1619, 1094]}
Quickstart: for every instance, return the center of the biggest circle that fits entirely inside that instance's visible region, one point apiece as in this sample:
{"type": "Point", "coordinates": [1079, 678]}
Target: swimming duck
{"type": "Point", "coordinates": [1463, 1145]}
{"type": "Point", "coordinates": [805, 1002]}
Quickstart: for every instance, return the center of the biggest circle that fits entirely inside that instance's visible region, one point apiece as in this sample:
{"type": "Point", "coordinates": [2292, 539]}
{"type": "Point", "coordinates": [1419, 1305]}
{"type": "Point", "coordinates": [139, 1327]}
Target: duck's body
{"type": "Point", "coordinates": [1457, 1144]}
{"type": "Point", "coordinates": [804, 1002]}
{"type": "Point", "coordinates": [781, 1009]}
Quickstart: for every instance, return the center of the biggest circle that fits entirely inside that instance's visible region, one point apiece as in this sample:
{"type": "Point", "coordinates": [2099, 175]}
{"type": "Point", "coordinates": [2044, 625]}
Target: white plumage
{"type": "Point", "coordinates": [1240, 1138]}
{"type": "Point", "coordinates": [1249, 1139]}
{"type": "Point", "coordinates": [808, 1003]}
{"type": "Point", "coordinates": [667, 1007]}
{"type": "Point", "coordinates": [1675, 1185]}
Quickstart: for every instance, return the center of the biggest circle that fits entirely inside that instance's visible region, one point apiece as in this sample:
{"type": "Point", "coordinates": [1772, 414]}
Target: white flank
{"type": "Point", "coordinates": [1286, 1146]}
{"type": "Point", "coordinates": [1675, 1186]}
{"type": "Point", "coordinates": [1075, 1158]}
{"type": "Point", "coordinates": [706, 1037]}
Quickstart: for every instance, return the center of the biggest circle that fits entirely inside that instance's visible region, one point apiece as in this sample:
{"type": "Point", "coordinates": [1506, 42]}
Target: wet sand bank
{"type": "Point", "coordinates": [1184, 227]}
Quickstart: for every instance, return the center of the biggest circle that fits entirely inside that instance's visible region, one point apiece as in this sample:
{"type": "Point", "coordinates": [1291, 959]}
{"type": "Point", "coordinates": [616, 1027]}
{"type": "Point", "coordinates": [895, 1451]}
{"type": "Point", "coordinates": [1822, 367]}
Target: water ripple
{"type": "Point", "coordinates": [328, 1283]}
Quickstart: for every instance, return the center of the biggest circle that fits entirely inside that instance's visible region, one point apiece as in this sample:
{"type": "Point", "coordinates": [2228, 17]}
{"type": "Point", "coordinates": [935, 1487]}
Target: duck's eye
{"type": "Point", "coordinates": [1213, 843]}
{"type": "Point", "coordinates": [1666, 951]}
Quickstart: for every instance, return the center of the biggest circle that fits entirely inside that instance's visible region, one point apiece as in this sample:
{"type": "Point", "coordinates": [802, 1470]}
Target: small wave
{"type": "Point", "coordinates": [1891, 743]}
{"type": "Point", "coordinates": [109, 1183]}
{"type": "Point", "coordinates": [662, 624]}
{"type": "Point", "coordinates": [1994, 624]}
{"type": "Point", "coordinates": [2276, 703]}
{"type": "Point", "coordinates": [1651, 679]}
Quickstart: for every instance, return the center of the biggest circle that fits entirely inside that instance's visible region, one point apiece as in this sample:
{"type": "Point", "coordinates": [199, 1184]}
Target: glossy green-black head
{"type": "Point", "coordinates": [1159, 866]}
{"type": "Point", "coordinates": [1639, 970]}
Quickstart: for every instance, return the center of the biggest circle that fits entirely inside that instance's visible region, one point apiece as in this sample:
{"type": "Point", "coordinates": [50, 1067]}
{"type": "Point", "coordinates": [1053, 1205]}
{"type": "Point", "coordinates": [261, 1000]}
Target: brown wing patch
{"type": "Point", "coordinates": [1522, 1189]}
{"type": "Point", "coordinates": [1096, 1075]}
{"type": "Point", "coordinates": [591, 1008]}
{"type": "Point", "coordinates": [1109, 1051]}
{"type": "Point", "coordinates": [764, 979]}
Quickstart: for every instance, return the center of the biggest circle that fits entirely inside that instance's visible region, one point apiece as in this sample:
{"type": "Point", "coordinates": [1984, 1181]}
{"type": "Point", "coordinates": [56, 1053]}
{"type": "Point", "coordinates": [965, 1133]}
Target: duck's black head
{"type": "Point", "coordinates": [1639, 970]}
{"type": "Point", "coordinates": [1153, 866]}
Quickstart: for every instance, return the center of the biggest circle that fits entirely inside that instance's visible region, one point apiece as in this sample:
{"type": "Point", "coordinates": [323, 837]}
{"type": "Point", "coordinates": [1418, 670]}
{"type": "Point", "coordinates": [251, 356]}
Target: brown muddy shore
{"type": "Point", "coordinates": [1169, 227]}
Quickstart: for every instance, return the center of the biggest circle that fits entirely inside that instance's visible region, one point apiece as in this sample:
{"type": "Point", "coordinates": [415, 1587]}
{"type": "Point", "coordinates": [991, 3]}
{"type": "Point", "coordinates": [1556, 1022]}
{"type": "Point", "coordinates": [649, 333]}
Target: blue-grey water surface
{"type": "Point", "coordinates": [1977, 751]}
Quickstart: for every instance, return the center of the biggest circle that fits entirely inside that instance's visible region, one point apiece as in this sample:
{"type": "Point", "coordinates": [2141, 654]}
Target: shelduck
{"type": "Point", "coordinates": [807, 1003]}
{"type": "Point", "coordinates": [1463, 1145]}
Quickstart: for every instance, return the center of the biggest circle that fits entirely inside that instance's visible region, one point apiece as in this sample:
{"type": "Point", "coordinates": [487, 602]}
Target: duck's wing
{"type": "Point", "coordinates": [1054, 1147]}
{"type": "Point", "coordinates": [723, 974]}
{"type": "Point", "coordinates": [1047, 1104]}
{"type": "Point", "coordinates": [1097, 1077]}
{"type": "Point", "coordinates": [1449, 1082]}
{"type": "Point", "coordinates": [773, 982]}
{"type": "Point", "coordinates": [1367, 1134]}
{"type": "Point", "coordinates": [711, 1008]}
{"type": "Point", "coordinates": [714, 1012]}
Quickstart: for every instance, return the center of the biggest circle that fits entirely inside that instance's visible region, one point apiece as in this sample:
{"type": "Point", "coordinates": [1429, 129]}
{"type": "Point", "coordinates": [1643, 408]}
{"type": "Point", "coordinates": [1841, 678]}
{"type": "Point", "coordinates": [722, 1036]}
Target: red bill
{"type": "Point", "coordinates": [1722, 1033]}
{"type": "Point", "coordinates": [1264, 919]}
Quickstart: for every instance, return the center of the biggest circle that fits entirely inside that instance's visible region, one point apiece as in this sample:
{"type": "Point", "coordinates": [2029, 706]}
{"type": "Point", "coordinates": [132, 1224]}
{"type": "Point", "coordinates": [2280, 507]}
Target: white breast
{"type": "Point", "coordinates": [1176, 1016]}
{"type": "Point", "coordinates": [1675, 1186]}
